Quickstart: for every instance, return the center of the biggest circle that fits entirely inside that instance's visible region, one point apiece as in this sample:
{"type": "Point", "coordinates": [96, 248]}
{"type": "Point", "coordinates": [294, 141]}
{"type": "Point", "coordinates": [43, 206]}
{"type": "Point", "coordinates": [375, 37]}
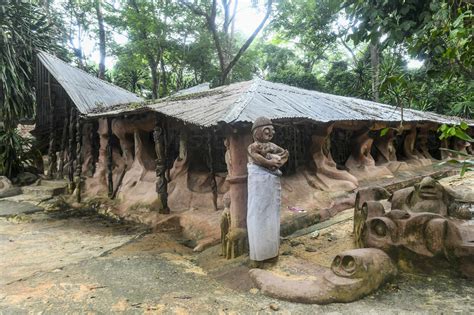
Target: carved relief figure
{"type": "Point", "coordinates": [387, 154]}
{"type": "Point", "coordinates": [361, 163]}
{"type": "Point", "coordinates": [327, 176]}
{"type": "Point", "coordinates": [409, 150]}
{"type": "Point", "coordinates": [263, 212]}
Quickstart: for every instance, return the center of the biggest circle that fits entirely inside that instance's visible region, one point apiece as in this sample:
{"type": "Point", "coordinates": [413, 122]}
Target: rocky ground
{"type": "Point", "coordinates": [76, 261]}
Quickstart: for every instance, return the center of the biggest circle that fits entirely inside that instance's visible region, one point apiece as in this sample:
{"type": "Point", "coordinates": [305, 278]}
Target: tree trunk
{"type": "Point", "coordinates": [155, 81]}
{"type": "Point", "coordinates": [375, 64]}
{"type": "Point", "coordinates": [100, 20]}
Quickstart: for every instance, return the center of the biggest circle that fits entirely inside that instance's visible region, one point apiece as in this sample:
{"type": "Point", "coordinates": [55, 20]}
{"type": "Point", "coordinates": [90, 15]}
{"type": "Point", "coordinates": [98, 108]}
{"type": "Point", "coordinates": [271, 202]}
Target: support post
{"type": "Point", "coordinates": [78, 172]}
{"type": "Point", "coordinates": [110, 183]}
{"type": "Point", "coordinates": [210, 164]}
{"type": "Point", "coordinates": [52, 137]}
{"type": "Point", "coordinates": [71, 151]}
{"type": "Point", "coordinates": [63, 143]}
{"type": "Point", "coordinates": [161, 181]}
{"type": "Point", "coordinates": [234, 233]}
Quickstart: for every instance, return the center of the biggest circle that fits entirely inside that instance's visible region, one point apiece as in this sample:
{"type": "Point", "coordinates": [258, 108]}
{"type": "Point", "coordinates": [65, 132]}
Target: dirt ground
{"type": "Point", "coordinates": [73, 262]}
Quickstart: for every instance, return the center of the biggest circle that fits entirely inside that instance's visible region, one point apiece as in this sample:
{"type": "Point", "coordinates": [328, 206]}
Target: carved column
{"type": "Point", "coordinates": [210, 164]}
{"type": "Point", "coordinates": [52, 133]}
{"type": "Point", "coordinates": [63, 142]}
{"type": "Point", "coordinates": [71, 149]}
{"type": "Point", "coordinates": [78, 172]}
{"type": "Point", "coordinates": [235, 241]}
{"type": "Point", "coordinates": [110, 183]}
{"type": "Point", "coordinates": [161, 181]}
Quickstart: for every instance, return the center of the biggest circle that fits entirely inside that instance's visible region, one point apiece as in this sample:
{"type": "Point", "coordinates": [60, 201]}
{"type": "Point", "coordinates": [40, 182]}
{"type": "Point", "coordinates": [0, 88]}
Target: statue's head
{"type": "Point", "coordinates": [262, 129]}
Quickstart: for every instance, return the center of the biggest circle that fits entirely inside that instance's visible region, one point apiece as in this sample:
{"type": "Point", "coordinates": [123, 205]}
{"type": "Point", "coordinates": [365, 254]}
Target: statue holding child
{"type": "Point", "coordinates": [264, 191]}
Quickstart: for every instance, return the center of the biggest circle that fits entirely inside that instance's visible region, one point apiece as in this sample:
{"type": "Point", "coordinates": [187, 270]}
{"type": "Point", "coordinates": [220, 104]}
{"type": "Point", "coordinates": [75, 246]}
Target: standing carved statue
{"type": "Point", "coordinates": [263, 211]}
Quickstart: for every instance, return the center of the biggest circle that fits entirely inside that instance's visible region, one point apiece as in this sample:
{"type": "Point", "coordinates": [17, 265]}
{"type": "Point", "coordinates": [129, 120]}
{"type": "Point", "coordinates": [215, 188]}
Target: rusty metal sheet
{"type": "Point", "coordinates": [86, 91]}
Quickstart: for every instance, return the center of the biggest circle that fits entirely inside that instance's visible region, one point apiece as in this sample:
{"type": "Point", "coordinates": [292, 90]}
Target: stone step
{"type": "Point", "coordinates": [54, 183]}
{"type": "Point", "coordinates": [44, 191]}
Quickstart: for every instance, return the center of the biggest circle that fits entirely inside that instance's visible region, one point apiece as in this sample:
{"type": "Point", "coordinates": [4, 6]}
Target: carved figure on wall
{"type": "Point", "coordinates": [461, 146]}
{"type": "Point", "coordinates": [409, 150]}
{"type": "Point", "coordinates": [422, 144]}
{"type": "Point", "coordinates": [353, 274]}
{"type": "Point", "coordinates": [361, 163]}
{"type": "Point", "coordinates": [263, 210]}
{"type": "Point", "coordinates": [328, 177]}
{"type": "Point", "coordinates": [387, 155]}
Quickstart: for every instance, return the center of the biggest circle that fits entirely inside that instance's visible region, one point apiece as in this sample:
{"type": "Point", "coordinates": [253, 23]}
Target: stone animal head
{"type": "Point", "coordinates": [262, 130]}
{"type": "Point", "coordinates": [361, 264]}
{"type": "Point", "coordinates": [353, 274]}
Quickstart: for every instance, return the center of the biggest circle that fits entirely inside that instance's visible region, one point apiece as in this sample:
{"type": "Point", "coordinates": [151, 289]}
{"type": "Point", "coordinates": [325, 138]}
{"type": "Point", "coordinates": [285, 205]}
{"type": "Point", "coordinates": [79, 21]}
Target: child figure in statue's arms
{"type": "Point", "coordinates": [263, 152]}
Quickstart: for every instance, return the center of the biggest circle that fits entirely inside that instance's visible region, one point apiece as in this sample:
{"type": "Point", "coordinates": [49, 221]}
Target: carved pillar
{"type": "Point", "coordinates": [234, 219]}
{"type": "Point", "coordinates": [445, 145]}
{"type": "Point", "coordinates": [210, 164]}
{"type": "Point", "coordinates": [71, 149]}
{"type": "Point", "coordinates": [238, 144]}
{"type": "Point", "coordinates": [63, 143]}
{"type": "Point", "coordinates": [409, 144]}
{"type": "Point", "coordinates": [161, 181]}
{"type": "Point", "coordinates": [78, 171]}
{"type": "Point", "coordinates": [110, 183]}
{"type": "Point", "coordinates": [52, 133]}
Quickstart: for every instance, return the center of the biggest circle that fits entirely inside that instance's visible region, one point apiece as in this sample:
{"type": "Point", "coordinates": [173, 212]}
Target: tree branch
{"type": "Point", "coordinates": [247, 42]}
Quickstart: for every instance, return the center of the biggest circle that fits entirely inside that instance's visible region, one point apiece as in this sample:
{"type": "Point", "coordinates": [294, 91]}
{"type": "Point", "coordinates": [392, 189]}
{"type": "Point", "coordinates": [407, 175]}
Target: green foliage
{"type": "Point", "coordinates": [24, 28]}
{"type": "Point", "coordinates": [439, 31]}
{"type": "Point", "coordinates": [16, 152]}
{"type": "Point", "coordinates": [466, 161]}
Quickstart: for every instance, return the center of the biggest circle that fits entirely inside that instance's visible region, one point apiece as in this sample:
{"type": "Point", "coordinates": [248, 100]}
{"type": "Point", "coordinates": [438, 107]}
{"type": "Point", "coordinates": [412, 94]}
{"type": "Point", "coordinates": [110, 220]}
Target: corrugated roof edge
{"type": "Point", "coordinates": [40, 52]}
{"type": "Point", "coordinates": [235, 112]}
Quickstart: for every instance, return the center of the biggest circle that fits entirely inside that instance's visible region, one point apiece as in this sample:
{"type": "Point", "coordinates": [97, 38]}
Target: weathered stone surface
{"type": "Point", "coordinates": [26, 178]}
{"type": "Point", "coordinates": [9, 208]}
{"type": "Point", "coordinates": [353, 274]}
{"type": "Point", "coordinates": [7, 189]}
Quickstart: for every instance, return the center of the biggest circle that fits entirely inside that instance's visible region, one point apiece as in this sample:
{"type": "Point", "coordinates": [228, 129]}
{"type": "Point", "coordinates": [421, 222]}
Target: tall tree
{"type": "Point", "coordinates": [100, 23]}
{"type": "Point", "coordinates": [223, 37]}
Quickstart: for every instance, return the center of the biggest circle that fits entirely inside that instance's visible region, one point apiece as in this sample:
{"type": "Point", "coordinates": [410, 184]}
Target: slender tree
{"type": "Point", "coordinates": [222, 38]}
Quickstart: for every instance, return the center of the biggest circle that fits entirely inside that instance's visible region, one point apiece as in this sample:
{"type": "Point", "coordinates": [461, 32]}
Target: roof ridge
{"type": "Point", "coordinates": [85, 72]}
{"type": "Point", "coordinates": [244, 99]}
